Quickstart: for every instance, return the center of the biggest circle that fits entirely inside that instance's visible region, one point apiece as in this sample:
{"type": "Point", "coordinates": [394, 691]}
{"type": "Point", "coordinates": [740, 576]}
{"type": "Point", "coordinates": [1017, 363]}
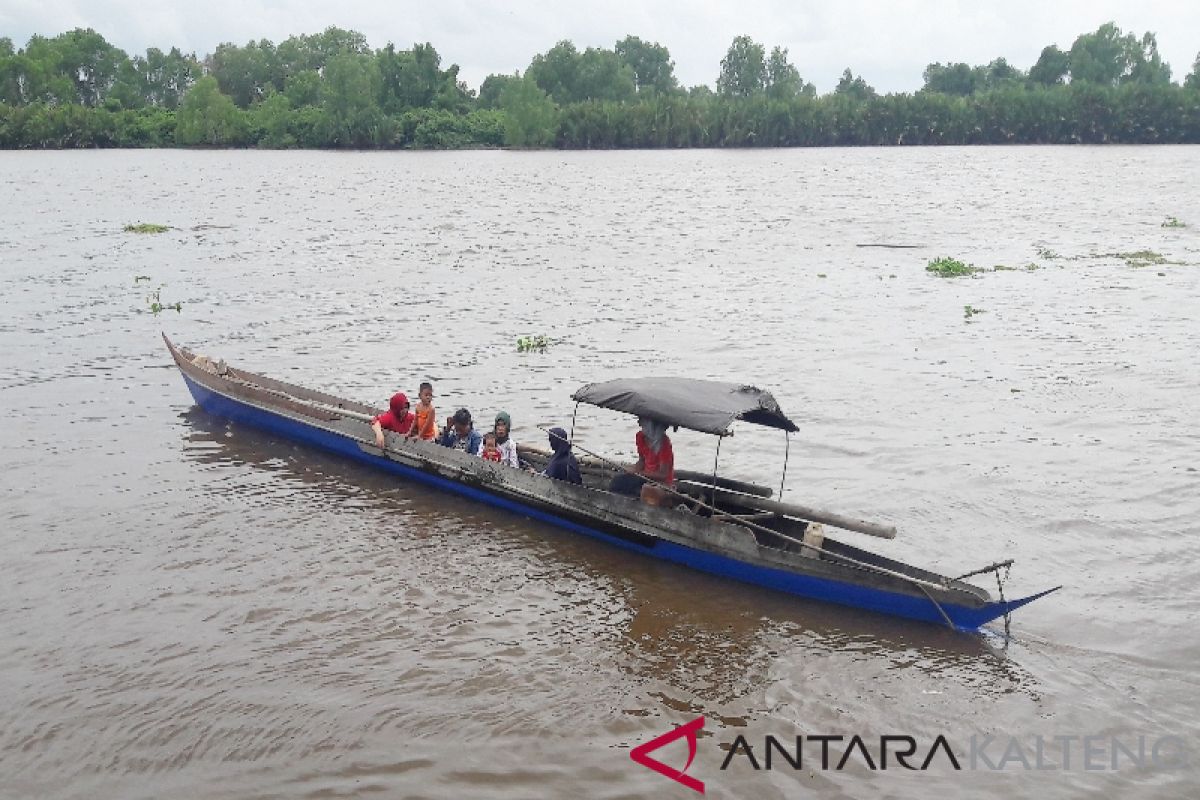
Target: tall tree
{"type": "Point", "coordinates": [348, 95]}
{"type": "Point", "coordinates": [955, 79]}
{"type": "Point", "coordinates": [244, 73]}
{"type": "Point", "coordinates": [1110, 57]}
{"type": "Point", "coordinates": [653, 69]}
{"type": "Point", "coordinates": [601, 75]}
{"type": "Point", "coordinates": [556, 71]}
{"type": "Point", "coordinates": [166, 77]}
{"type": "Point", "coordinates": [854, 86]}
{"type": "Point", "coordinates": [999, 73]}
{"type": "Point", "coordinates": [491, 89]}
{"type": "Point", "coordinates": [1051, 68]}
{"type": "Point", "coordinates": [1192, 81]}
{"type": "Point", "coordinates": [90, 61]}
{"type": "Point", "coordinates": [743, 69]}
{"type": "Point", "coordinates": [530, 116]}
{"type": "Point", "coordinates": [1147, 66]}
{"type": "Point", "coordinates": [783, 79]}
{"type": "Point", "coordinates": [208, 117]}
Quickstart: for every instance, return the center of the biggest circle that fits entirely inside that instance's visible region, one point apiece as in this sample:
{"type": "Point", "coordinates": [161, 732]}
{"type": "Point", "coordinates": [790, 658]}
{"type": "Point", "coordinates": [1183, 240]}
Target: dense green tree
{"type": "Point", "coordinates": [1147, 66]}
{"type": "Point", "coordinates": [313, 51]}
{"type": "Point", "coordinates": [568, 76]}
{"type": "Point", "coordinates": [208, 117]}
{"type": "Point", "coordinates": [414, 79]}
{"type": "Point", "coordinates": [91, 62]}
{"type": "Point", "coordinates": [166, 77]}
{"type": "Point", "coordinates": [245, 73]}
{"type": "Point", "coordinates": [1051, 68]}
{"type": "Point", "coordinates": [783, 79]}
{"type": "Point", "coordinates": [653, 69]}
{"type": "Point", "coordinates": [272, 121]}
{"type": "Point", "coordinates": [999, 74]}
{"type": "Point", "coordinates": [854, 86]}
{"type": "Point", "coordinates": [491, 89]}
{"type": "Point", "coordinates": [530, 114]}
{"type": "Point", "coordinates": [348, 96]}
{"type": "Point", "coordinates": [556, 71]}
{"type": "Point", "coordinates": [743, 69]}
{"type": "Point", "coordinates": [1110, 57]}
{"type": "Point", "coordinates": [1192, 81]}
{"type": "Point", "coordinates": [954, 79]}
{"type": "Point", "coordinates": [601, 75]}
{"type": "Point", "coordinates": [303, 88]}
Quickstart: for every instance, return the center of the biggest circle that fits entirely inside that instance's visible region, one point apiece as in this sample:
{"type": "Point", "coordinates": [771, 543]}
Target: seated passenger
{"type": "Point", "coordinates": [426, 425]}
{"type": "Point", "coordinates": [397, 419]}
{"type": "Point", "coordinates": [506, 444]}
{"type": "Point", "coordinates": [460, 433]}
{"type": "Point", "coordinates": [490, 452]}
{"type": "Point", "coordinates": [562, 465]}
{"type": "Point", "coordinates": [656, 462]}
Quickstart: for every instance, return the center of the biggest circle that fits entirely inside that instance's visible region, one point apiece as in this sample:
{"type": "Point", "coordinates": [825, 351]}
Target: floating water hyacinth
{"type": "Point", "coordinates": [147, 227]}
{"type": "Point", "coordinates": [527, 344]}
{"type": "Point", "coordinates": [951, 268]}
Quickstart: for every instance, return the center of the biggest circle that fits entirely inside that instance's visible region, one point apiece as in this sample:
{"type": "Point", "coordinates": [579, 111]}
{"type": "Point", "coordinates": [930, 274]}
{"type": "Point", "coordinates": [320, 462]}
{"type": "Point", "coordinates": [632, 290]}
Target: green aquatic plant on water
{"type": "Point", "coordinates": [951, 268]}
{"type": "Point", "coordinates": [154, 300]}
{"type": "Point", "coordinates": [529, 344]}
{"type": "Point", "coordinates": [139, 278]}
{"type": "Point", "coordinates": [970, 311]}
{"type": "Point", "coordinates": [147, 227]}
{"type": "Point", "coordinates": [1046, 253]}
{"type": "Point", "coordinates": [1140, 258]}
{"type": "Point", "coordinates": [1172, 222]}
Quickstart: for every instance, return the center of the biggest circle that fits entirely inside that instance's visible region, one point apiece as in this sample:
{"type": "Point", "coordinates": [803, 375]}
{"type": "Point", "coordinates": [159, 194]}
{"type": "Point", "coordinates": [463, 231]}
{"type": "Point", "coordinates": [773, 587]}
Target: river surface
{"type": "Point", "coordinates": [195, 609]}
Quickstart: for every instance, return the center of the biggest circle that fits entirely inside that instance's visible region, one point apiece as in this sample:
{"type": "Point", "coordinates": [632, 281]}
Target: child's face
{"type": "Point", "coordinates": [426, 396]}
{"type": "Point", "coordinates": [489, 442]}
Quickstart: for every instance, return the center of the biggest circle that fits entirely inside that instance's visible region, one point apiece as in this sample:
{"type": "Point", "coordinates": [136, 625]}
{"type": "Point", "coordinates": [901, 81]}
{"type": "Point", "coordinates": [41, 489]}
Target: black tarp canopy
{"type": "Point", "coordinates": [705, 406]}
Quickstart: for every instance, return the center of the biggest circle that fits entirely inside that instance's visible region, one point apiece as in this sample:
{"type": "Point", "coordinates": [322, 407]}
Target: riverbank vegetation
{"type": "Point", "coordinates": [333, 90]}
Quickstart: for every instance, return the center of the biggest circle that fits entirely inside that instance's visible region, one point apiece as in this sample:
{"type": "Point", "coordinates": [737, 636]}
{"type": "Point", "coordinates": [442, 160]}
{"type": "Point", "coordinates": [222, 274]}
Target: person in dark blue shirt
{"type": "Point", "coordinates": [460, 433]}
{"type": "Point", "coordinates": [562, 465]}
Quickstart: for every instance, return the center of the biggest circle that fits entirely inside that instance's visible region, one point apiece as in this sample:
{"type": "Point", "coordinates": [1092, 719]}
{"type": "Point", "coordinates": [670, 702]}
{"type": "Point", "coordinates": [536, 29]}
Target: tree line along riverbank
{"type": "Point", "coordinates": [332, 89]}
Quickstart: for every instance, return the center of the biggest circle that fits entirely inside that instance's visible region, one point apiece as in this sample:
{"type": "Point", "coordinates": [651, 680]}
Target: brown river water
{"type": "Point", "coordinates": [195, 609]}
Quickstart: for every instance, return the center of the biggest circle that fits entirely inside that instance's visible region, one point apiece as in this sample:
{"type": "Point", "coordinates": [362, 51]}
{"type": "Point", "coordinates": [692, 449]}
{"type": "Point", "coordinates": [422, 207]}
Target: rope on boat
{"type": "Point", "coordinates": [938, 606]}
{"type": "Point", "coordinates": [999, 565]}
{"type": "Point", "coordinates": [1000, 589]}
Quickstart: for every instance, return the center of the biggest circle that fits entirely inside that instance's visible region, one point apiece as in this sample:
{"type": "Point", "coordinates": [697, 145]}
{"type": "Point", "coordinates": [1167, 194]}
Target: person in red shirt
{"type": "Point", "coordinates": [397, 419]}
{"type": "Point", "coordinates": [656, 462]}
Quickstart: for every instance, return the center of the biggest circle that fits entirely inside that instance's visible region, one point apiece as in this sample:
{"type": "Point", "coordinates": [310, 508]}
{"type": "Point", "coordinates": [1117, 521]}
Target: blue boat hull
{"type": "Point", "coordinates": [814, 587]}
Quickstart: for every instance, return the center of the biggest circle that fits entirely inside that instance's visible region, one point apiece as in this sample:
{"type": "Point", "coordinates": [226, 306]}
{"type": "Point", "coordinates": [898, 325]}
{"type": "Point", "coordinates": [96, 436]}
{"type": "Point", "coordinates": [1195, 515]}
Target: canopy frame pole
{"type": "Point", "coordinates": [574, 414]}
{"type": "Point", "coordinates": [787, 447]}
{"type": "Point", "coordinates": [716, 460]}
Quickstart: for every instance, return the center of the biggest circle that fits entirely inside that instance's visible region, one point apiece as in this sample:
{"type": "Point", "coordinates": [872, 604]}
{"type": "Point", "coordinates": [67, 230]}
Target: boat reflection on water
{"type": "Point", "coordinates": [713, 639]}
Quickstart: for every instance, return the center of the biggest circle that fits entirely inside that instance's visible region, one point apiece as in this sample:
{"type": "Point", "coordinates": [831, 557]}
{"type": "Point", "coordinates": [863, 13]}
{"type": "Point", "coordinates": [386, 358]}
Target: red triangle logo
{"type": "Point", "coordinates": [640, 754]}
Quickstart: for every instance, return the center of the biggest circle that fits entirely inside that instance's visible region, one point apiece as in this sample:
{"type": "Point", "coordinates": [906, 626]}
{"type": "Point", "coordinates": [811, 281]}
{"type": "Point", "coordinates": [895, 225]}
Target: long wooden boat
{"type": "Point", "coordinates": [739, 534]}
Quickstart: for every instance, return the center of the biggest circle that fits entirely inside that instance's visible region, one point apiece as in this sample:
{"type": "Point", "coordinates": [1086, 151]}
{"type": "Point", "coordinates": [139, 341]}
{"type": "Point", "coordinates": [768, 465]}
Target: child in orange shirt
{"type": "Point", "coordinates": [424, 427]}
